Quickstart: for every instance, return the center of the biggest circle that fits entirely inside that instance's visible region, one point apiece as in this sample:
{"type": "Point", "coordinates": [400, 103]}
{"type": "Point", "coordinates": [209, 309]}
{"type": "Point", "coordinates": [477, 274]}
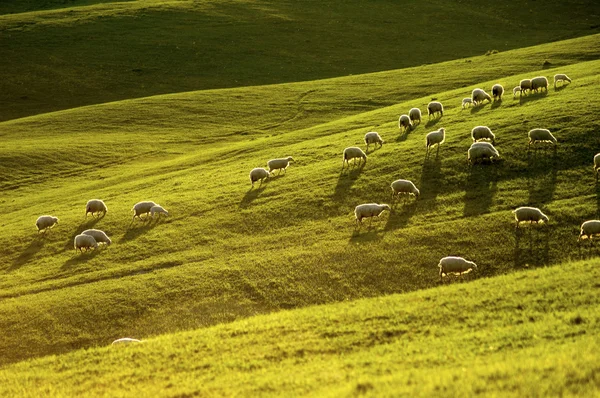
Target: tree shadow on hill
{"type": "Point", "coordinates": [252, 194]}
{"type": "Point", "coordinates": [532, 246]}
{"type": "Point", "coordinates": [80, 257]}
{"type": "Point", "coordinates": [136, 230]}
{"type": "Point", "coordinates": [541, 181]}
{"type": "Point", "coordinates": [481, 187]}
{"type": "Point", "coordinates": [34, 246]}
{"type": "Point", "coordinates": [87, 224]}
{"type": "Point", "coordinates": [478, 108]}
{"type": "Point", "coordinates": [532, 97]}
{"type": "Point", "coordinates": [431, 181]}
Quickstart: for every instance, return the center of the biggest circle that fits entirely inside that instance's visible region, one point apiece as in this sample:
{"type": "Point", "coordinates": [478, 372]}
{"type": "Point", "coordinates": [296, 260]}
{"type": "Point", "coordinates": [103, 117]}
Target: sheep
{"type": "Point", "coordinates": [353, 152]}
{"type": "Point", "coordinates": [478, 96]}
{"type": "Point", "coordinates": [84, 242]}
{"type": "Point", "coordinates": [435, 137]}
{"type": "Point", "coordinates": [125, 340]}
{"type": "Point", "coordinates": [516, 90]}
{"type": "Point", "coordinates": [45, 223]}
{"type": "Point", "coordinates": [142, 208]}
{"type": "Point", "coordinates": [531, 214]}
{"type": "Point", "coordinates": [589, 229]}
{"type": "Point", "coordinates": [540, 135]}
{"type": "Point", "coordinates": [467, 102]}
{"type": "Point", "coordinates": [539, 82]}
{"type": "Point", "coordinates": [158, 210]}
{"type": "Point", "coordinates": [483, 133]}
{"type": "Point", "coordinates": [373, 137]}
{"type": "Point", "coordinates": [481, 151]}
{"type": "Point", "coordinates": [525, 85]}
{"type": "Point", "coordinates": [279, 164]}
{"type": "Point", "coordinates": [415, 115]}
{"type": "Point", "coordinates": [256, 174]}
{"type": "Point", "coordinates": [99, 236]}
{"type": "Point", "coordinates": [95, 206]}
{"type": "Point", "coordinates": [404, 122]}
{"type": "Point", "coordinates": [405, 187]}
{"type": "Point", "coordinates": [455, 265]}
{"type": "Point", "coordinates": [435, 107]}
{"type": "Point", "coordinates": [561, 77]}
{"type": "Point", "coordinates": [596, 165]}
{"type": "Point", "coordinates": [369, 210]}
{"type": "Point", "coordinates": [497, 91]}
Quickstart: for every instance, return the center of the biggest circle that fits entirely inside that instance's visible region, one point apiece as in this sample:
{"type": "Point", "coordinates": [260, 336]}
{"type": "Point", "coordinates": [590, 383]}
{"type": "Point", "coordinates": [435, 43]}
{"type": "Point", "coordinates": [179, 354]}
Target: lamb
{"type": "Point", "coordinates": [597, 165]}
{"type": "Point", "coordinates": [158, 210]}
{"type": "Point", "coordinates": [279, 164]}
{"type": "Point", "coordinates": [84, 242]}
{"type": "Point", "coordinates": [99, 236]}
{"type": "Point", "coordinates": [483, 133]}
{"type": "Point", "coordinates": [125, 340]}
{"type": "Point", "coordinates": [531, 214]}
{"type": "Point", "coordinates": [525, 85]}
{"type": "Point", "coordinates": [561, 77]}
{"type": "Point", "coordinates": [353, 152]}
{"type": "Point", "coordinates": [540, 135]}
{"type": "Point", "coordinates": [373, 137]}
{"type": "Point", "coordinates": [256, 174]}
{"type": "Point", "coordinates": [95, 206]}
{"type": "Point", "coordinates": [455, 265]}
{"type": "Point", "coordinates": [539, 82]}
{"type": "Point", "coordinates": [404, 122]}
{"type": "Point", "coordinates": [369, 210]}
{"type": "Point", "coordinates": [415, 115]}
{"type": "Point", "coordinates": [516, 90]}
{"type": "Point", "coordinates": [481, 151]}
{"type": "Point", "coordinates": [467, 102]}
{"type": "Point", "coordinates": [435, 107]}
{"type": "Point", "coordinates": [497, 91]}
{"type": "Point", "coordinates": [589, 229]}
{"type": "Point", "coordinates": [478, 96]}
{"type": "Point", "coordinates": [435, 137]}
{"type": "Point", "coordinates": [142, 208]}
{"type": "Point", "coordinates": [405, 187]}
{"type": "Point", "coordinates": [45, 223]}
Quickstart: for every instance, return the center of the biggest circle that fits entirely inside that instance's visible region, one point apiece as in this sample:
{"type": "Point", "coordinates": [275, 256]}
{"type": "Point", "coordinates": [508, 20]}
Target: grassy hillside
{"type": "Point", "coordinates": [532, 333]}
{"type": "Point", "coordinates": [228, 252]}
{"type": "Point", "coordinates": [63, 54]}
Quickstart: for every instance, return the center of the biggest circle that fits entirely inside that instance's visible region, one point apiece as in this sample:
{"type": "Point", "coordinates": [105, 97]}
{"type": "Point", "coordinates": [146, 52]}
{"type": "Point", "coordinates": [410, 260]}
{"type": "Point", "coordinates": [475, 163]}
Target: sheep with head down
{"type": "Point", "coordinates": [373, 137]}
{"type": "Point", "coordinates": [561, 77]}
{"type": "Point", "coordinates": [95, 206]}
{"type": "Point", "coordinates": [481, 151]}
{"type": "Point", "coordinates": [525, 85]}
{"type": "Point", "coordinates": [455, 265]}
{"type": "Point", "coordinates": [98, 235]}
{"type": "Point", "coordinates": [45, 223]}
{"type": "Point", "coordinates": [540, 135]}
{"type": "Point", "coordinates": [415, 115]}
{"type": "Point", "coordinates": [435, 107]}
{"type": "Point", "coordinates": [142, 208]}
{"type": "Point", "coordinates": [466, 102]}
{"type": "Point", "coordinates": [529, 214]}
{"type": "Point", "coordinates": [256, 174]}
{"type": "Point", "coordinates": [516, 90]}
{"type": "Point", "coordinates": [404, 187]}
{"type": "Point", "coordinates": [404, 123]}
{"type": "Point", "coordinates": [479, 133]}
{"type": "Point", "coordinates": [589, 229]}
{"type": "Point", "coordinates": [84, 242]}
{"type": "Point", "coordinates": [369, 210]}
{"type": "Point", "coordinates": [479, 95]}
{"type": "Point", "coordinates": [539, 83]}
{"type": "Point", "coordinates": [353, 152]}
{"type": "Point", "coordinates": [497, 91]}
{"type": "Point", "coordinates": [158, 210]}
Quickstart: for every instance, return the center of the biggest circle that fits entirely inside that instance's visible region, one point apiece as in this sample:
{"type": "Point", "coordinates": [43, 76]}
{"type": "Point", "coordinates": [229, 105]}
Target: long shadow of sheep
{"type": "Point", "coordinates": [403, 210]}
{"type": "Point", "coordinates": [87, 224]}
{"type": "Point", "coordinates": [431, 181]}
{"type": "Point", "coordinates": [532, 97]}
{"type": "Point", "coordinates": [137, 230]}
{"type": "Point", "coordinates": [34, 246]}
{"type": "Point", "coordinates": [496, 104]}
{"type": "Point", "coordinates": [433, 122]}
{"type": "Point", "coordinates": [541, 181]}
{"type": "Point", "coordinates": [346, 179]}
{"type": "Point", "coordinates": [367, 232]}
{"type": "Point", "coordinates": [252, 194]}
{"type": "Point", "coordinates": [481, 187]}
{"type": "Point", "coordinates": [80, 258]}
{"type": "Point", "coordinates": [532, 246]}
{"type": "Point", "coordinates": [478, 108]}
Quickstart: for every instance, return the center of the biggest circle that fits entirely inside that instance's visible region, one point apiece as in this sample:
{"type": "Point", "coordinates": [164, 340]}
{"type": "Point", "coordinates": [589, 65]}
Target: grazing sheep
{"type": "Point", "coordinates": [45, 223]}
{"type": "Point", "coordinates": [405, 187]}
{"type": "Point", "coordinates": [158, 210]}
{"type": "Point", "coordinates": [561, 77]}
{"type": "Point", "coordinates": [531, 214]}
{"type": "Point", "coordinates": [481, 151]}
{"type": "Point", "coordinates": [539, 82]}
{"type": "Point", "coordinates": [404, 122]}
{"type": "Point", "coordinates": [142, 208]}
{"type": "Point", "coordinates": [353, 152]}
{"type": "Point", "coordinates": [125, 340]}
{"type": "Point", "coordinates": [99, 236]}
{"type": "Point", "coordinates": [373, 137]}
{"type": "Point", "coordinates": [455, 265]}
{"type": "Point", "coordinates": [497, 91]}
{"type": "Point", "coordinates": [256, 174]}
{"type": "Point", "coordinates": [435, 137]}
{"type": "Point", "coordinates": [589, 229]}
{"type": "Point", "coordinates": [95, 206]}
{"type": "Point", "coordinates": [467, 102]}
{"type": "Point", "coordinates": [525, 85]}
{"type": "Point", "coordinates": [84, 242]}
{"type": "Point", "coordinates": [415, 115]}
{"type": "Point", "coordinates": [435, 107]}
{"type": "Point", "coordinates": [478, 96]}
{"type": "Point", "coordinates": [540, 135]}
{"type": "Point", "coordinates": [483, 133]}
{"type": "Point", "coordinates": [369, 210]}
{"type": "Point", "coordinates": [596, 165]}
{"type": "Point", "coordinates": [516, 90]}
{"type": "Point", "coordinates": [279, 164]}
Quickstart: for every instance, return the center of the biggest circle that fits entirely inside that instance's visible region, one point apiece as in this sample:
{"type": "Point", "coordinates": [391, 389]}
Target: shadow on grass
{"type": "Point", "coordinates": [366, 233]}
{"type": "Point", "coordinates": [403, 210]}
{"type": "Point", "coordinates": [373, 149]}
{"type": "Point", "coordinates": [532, 245]}
{"type": "Point", "coordinates": [35, 246]}
{"type": "Point", "coordinates": [433, 122]}
{"type": "Point", "coordinates": [87, 224]}
{"type": "Point", "coordinates": [496, 104]}
{"type": "Point", "coordinates": [480, 189]}
{"type": "Point", "coordinates": [541, 183]}
{"type": "Point", "coordinates": [478, 108]}
{"type": "Point", "coordinates": [135, 230]}
{"type": "Point", "coordinates": [561, 87]}
{"type": "Point", "coordinates": [252, 194]}
{"type": "Point", "coordinates": [403, 135]}
{"type": "Point", "coordinates": [346, 179]}
{"type": "Point", "coordinates": [79, 258]}
{"type": "Point", "coordinates": [532, 97]}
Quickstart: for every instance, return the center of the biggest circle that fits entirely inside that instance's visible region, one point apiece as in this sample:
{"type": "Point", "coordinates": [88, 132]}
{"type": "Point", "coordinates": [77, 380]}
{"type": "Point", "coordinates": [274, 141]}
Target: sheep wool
{"type": "Point", "coordinates": [466, 102]}
{"type": "Point", "coordinates": [257, 174]}
{"type": "Point", "coordinates": [99, 236]}
{"type": "Point", "coordinates": [483, 133]}
{"type": "Point", "coordinates": [478, 96]}
{"type": "Point", "coordinates": [497, 91]}
{"type": "Point", "coordinates": [142, 208]}
{"type": "Point", "coordinates": [125, 341]}
{"type": "Point", "coordinates": [404, 187]}
{"type": "Point", "coordinates": [516, 90]}
{"type": "Point", "coordinates": [589, 229]}
{"type": "Point", "coordinates": [525, 85]}
{"type": "Point", "coordinates": [95, 206]}
{"type": "Point", "coordinates": [44, 223]}
{"type": "Point", "coordinates": [373, 137]}
{"type": "Point", "coordinates": [404, 123]}
{"type": "Point", "coordinates": [84, 242]}
{"type": "Point", "coordinates": [279, 164]}
{"type": "Point", "coordinates": [158, 210]}
{"type": "Point", "coordinates": [481, 151]}
{"type": "Point", "coordinates": [538, 83]}
{"type": "Point", "coordinates": [455, 265]}
{"type": "Point", "coordinates": [529, 214]}
{"type": "Point", "coordinates": [540, 135]}
{"type": "Point", "coordinates": [353, 152]}
{"type": "Point", "coordinates": [435, 138]}
{"type": "Point", "coordinates": [596, 165]}
{"type": "Point", "coordinates": [561, 77]}
{"type": "Point", "coordinates": [369, 210]}
{"type": "Point", "coordinates": [415, 115]}
{"type": "Point", "coordinates": [435, 107]}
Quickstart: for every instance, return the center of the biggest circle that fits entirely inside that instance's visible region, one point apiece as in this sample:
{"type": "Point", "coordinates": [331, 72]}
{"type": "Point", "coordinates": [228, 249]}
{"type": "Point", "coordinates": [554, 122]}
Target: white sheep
{"type": "Point", "coordinates": [466, 102]}
{"type": "Point", "coordinates": [45, 223]}
{"type": "Point", "coordinates": [483, 133]}
{"type": "Point", "coordinates": [125, 340]}
{"type": "Point", "coordinates": [404, 122]}
{"type": "Point", "coordinates": [561, 77]}
{"type": "Point", "coordinates": [497, 91]}
{"type": "Point", "coordinates": [596, 165]}
{"type": "Point", "coordinates": [589, 229]}
{"type": "Point", "coordinates": [481, 151]}
{"type": "Point", "coordinates": [516, 90]}
{"type": "Point", "coordinates": [99, 236]}
{"type": "Point", "coordinates": [415, 115]}
{"type": "Point", "coordinates": [279, 164]}
{"type": "Point", "coordinates": [540, 135]}
{"type": "Point", "coordinates": [405, 187]}
{"type": "Point", "coordinates": [539, 82]}
{"type": "Point", "coordinates": [525, 85]}
{"type": "Point", "coordinates": [373, 137]}
{"type": "Point", "coordinates": [257, 174]}
{"type": "Point", "coordinates": [478, 96]}
{"type": "Point", "coordinates": [95, 206]}
{"type": "Point", "coordinates": [369, 210]}
{"type": "Point", "coordinates": [529, 214]}
{"type": "Point", "coordinates": [84, 242]}
{"type": "Point", "coordinates": [435, 137]}
{"type": "Point", "coordinates": [142, 208]}
{"type": "Point", "coordinates": [455, 265]}
{"type": "Point", "coordinates": [158, 210]}
{"type": "Point", "coordinates": [353, 152]}
{"type": "Point", "coordinates": [435, 107]}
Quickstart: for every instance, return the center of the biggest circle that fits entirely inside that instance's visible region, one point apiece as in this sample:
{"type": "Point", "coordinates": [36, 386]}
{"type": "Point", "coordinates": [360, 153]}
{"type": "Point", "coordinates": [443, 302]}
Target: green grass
{"type": "Point", "coordinates": [531, 333]}
{"type": "Point", "coordinates": [63, 54]}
